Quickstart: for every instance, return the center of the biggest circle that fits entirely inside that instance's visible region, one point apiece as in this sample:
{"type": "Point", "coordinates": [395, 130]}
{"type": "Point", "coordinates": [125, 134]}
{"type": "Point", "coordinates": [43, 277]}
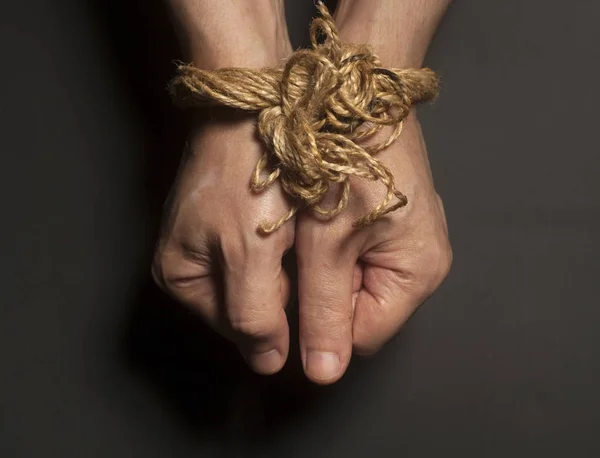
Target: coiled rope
{"type": "Point", "coordinates": [313, 115]}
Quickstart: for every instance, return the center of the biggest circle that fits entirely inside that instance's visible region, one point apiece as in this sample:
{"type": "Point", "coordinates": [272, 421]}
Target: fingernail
{"type": "Point", "coordinates": [322, 365]}
{"type": "Point", "coordinates": [266, 363]}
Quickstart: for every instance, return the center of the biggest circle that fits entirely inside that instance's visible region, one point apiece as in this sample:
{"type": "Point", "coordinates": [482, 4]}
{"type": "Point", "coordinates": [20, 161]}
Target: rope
{"type": "Point", "coordinates": [313, 115]}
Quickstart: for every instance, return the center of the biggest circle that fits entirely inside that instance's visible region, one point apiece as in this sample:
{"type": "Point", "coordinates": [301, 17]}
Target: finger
{"type": "Point", "coordinates": [256, 292]}
{"type": "Point", "coordinates": [382, 306]}
{"type": "Point", "coordinates": [190, 280]}
{"type": "Point", "coordinates": [325, 280]}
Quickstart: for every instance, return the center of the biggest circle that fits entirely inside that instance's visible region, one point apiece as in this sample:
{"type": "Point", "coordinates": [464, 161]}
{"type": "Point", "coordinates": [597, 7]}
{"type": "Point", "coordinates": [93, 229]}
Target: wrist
{"type": "Point", "coordinates": [243, 33]}
{"type": "Point", "coordinates": [398, 31]}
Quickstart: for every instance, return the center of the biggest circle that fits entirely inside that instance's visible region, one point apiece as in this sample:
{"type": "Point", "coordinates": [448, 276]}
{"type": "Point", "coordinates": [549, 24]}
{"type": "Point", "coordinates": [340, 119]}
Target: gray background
{"type": "Point", "coordinates": [95, 362]}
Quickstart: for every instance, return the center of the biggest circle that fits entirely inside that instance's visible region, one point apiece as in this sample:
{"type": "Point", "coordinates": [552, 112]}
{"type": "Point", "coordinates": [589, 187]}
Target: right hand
{"type": "Point", "coordinates": [210, 255]}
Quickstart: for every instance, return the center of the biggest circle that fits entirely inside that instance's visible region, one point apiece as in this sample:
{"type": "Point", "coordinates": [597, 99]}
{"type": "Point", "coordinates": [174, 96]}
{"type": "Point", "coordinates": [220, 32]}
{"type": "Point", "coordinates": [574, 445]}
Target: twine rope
{"type": "Point", "coordinates": [313, 115]}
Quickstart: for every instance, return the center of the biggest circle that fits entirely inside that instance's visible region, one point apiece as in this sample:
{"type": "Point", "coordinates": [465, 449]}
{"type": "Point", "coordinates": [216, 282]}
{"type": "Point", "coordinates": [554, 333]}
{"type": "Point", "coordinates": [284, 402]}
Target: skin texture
{"type": "Point", "coordinates": [210, 255]}
{"type": "Point", "coordinates": [356, 288]}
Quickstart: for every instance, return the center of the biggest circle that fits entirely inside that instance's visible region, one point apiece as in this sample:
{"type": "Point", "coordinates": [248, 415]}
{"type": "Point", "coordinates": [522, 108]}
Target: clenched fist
{"type": "Point", "coordinates": [358, 286]}
{"type": "Point", "coordinates": [211, 256]}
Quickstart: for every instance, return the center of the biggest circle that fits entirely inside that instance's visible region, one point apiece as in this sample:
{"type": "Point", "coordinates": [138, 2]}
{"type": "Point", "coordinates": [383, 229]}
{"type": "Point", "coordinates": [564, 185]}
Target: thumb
{"type": "Point", "coordinates": [256, 292]}
{"type": "Point", "coordinates": [325, 293]}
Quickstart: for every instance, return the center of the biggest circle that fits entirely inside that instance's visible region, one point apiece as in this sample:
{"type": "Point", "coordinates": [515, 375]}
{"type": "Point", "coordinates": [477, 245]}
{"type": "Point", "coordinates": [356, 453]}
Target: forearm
{"type": "Point", "coordinates": [241, 33]}
{"type": "Point", "coordinates": [400, 31]}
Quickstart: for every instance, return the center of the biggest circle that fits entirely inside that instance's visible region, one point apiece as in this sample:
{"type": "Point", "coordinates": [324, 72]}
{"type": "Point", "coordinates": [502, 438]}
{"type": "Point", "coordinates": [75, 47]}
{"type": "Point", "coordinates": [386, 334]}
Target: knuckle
{"type": "Point", "coordinates": [173, 272]}
{"type": "Point", "coordinates": [438, 260]}
{"type": "Point", "coordinates": [327, 319]}
{"type": "Point", "coordinates": [326, 303]}
{"type": "Point", "coordinates": [252, 255]}
{"type": "Point", "coordinates": [330, 313]}
{"type": "Point", "coordinates": [255, 325]}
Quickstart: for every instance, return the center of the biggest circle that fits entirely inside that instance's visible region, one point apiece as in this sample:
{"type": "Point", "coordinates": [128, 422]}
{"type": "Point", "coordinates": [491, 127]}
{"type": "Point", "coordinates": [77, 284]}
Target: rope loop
{"type": "Point", "coordinates": [314, 114]}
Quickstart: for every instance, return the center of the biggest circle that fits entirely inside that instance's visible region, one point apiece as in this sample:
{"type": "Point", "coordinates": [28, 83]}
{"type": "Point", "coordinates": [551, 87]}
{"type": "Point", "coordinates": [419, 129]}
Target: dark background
{"type": "Point", "coordinates": [94, 362]}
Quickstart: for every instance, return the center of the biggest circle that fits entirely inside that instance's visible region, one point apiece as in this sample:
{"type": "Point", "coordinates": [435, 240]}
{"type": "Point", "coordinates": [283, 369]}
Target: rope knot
{"type": "Point", "coordinates": [314, 114]}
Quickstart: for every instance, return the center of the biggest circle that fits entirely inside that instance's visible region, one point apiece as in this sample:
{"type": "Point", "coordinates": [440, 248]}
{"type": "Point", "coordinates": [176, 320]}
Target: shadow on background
{"type": "Point", "coordinates": [189, 368]}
